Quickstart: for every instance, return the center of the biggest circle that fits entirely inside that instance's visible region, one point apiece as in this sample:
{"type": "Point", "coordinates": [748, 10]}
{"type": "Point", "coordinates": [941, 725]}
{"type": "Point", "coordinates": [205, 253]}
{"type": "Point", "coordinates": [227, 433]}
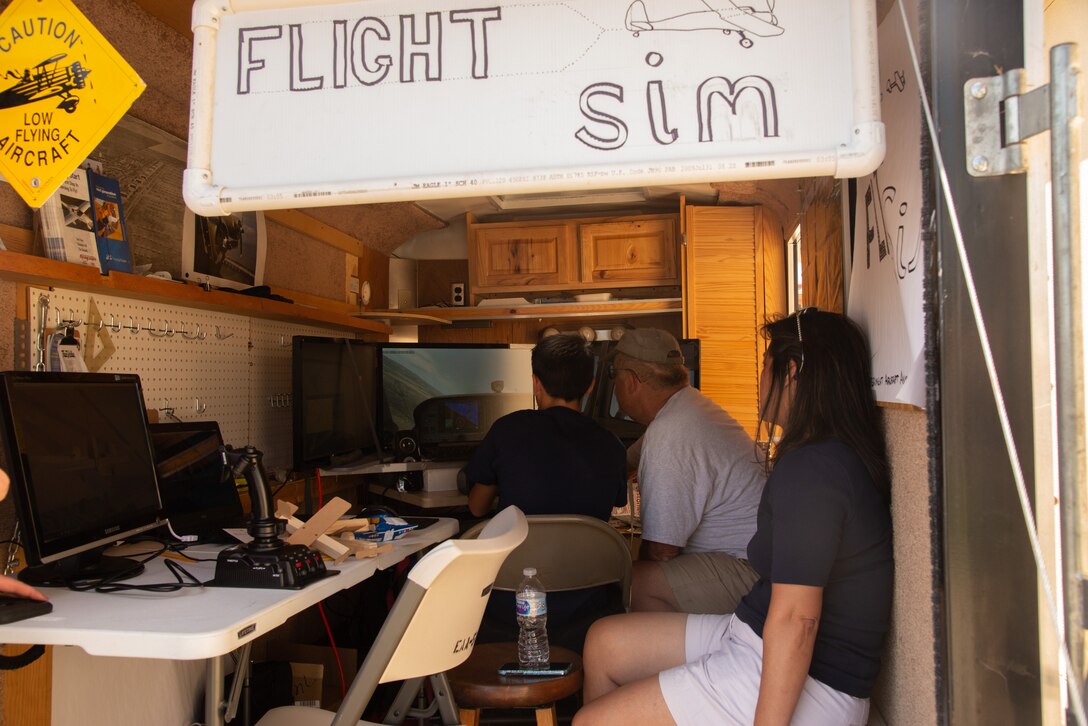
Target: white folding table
{"type": "Point", "coordinates": [205, 623]}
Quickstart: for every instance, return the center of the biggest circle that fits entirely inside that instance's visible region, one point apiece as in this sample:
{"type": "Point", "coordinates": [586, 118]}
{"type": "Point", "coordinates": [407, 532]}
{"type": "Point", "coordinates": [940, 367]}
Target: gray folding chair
{"type": "Point", "coordinates": [430, 629]}
{"type": "Point", "coordinates": [569, 552]}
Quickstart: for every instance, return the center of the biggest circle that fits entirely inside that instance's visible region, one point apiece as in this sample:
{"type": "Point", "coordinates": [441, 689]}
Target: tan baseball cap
{"type": "Point", "coordinates": [650, 345]}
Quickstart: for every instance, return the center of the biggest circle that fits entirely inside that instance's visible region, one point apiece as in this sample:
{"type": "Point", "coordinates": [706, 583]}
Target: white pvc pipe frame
{"type": "Point", "coordinates": [203, 196]}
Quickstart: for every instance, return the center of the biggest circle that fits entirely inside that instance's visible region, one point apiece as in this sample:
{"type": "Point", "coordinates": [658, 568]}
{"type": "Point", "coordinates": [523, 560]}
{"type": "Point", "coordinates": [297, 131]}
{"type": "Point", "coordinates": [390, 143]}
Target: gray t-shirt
{"type": "Point", "coordinates": [699, 478]}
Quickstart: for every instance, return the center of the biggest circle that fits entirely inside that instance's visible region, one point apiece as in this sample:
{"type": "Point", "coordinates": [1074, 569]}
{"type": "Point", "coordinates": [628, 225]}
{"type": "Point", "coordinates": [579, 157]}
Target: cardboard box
{"type": "Point", "coordinates": [307, 683]}
{"type": "Point", "coordinates": [314, 671]}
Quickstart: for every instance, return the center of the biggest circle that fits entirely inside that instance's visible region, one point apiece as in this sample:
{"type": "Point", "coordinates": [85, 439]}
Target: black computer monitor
{"type": "Point", "coordinates": [199, 496]}
{"type": "Point", "coordinates": [334, 387]}
{"type": "Point", "coordinates": [82, 468]}
{"type": "Point", "coordinates": [449, 394]}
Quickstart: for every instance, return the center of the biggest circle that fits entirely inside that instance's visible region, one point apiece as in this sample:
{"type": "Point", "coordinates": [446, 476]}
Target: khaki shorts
{"type": "Point", "coordinates": [709, 582]}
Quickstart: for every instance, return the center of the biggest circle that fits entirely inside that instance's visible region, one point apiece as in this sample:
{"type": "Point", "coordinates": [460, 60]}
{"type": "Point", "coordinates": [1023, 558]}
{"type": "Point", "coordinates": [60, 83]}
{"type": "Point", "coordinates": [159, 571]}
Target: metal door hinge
{"type": "Point", "coordinates": [999, 115]}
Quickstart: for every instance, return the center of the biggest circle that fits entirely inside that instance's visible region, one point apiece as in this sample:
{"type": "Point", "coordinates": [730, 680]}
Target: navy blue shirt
{"type": "Point", "coordinates": [552, 461]}
{"type": "Point", "coordinates": [823, 522]}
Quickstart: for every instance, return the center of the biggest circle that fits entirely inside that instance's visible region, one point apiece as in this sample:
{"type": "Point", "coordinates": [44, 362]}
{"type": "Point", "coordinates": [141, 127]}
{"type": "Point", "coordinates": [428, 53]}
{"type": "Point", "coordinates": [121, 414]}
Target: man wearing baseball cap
{"type": "Point", "coordinates": [700, 482]}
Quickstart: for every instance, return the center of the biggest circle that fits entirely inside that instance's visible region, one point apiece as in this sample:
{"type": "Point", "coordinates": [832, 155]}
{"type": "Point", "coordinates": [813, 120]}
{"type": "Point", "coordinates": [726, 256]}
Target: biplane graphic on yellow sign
{"type": "Point", "coordinates": [62, 88]}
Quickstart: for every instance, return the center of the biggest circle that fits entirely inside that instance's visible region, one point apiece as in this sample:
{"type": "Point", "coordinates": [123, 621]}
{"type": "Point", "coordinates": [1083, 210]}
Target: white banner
{"type": "Point", "coordinates": [301, 103]}
{"type": "Point", "coordinates": [886, 275]}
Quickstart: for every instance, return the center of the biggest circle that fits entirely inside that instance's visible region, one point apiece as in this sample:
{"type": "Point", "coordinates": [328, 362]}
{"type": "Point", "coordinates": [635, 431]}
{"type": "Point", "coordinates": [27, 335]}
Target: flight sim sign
{"type": "Point", "coordinates": [396, 100]}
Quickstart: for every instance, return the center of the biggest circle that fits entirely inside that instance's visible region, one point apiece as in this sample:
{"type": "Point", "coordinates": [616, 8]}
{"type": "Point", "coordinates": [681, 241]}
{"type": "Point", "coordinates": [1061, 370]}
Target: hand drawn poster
{"type": "Point", "coordinates": [885, 294]}
{"type": "Point", "coordinates": [394, 100]}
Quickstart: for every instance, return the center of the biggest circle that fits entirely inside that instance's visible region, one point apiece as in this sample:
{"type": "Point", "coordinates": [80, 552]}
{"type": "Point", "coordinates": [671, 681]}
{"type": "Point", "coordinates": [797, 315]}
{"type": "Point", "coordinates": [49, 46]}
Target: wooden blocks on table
{"type": "Point", "coordinates": [316, 532]}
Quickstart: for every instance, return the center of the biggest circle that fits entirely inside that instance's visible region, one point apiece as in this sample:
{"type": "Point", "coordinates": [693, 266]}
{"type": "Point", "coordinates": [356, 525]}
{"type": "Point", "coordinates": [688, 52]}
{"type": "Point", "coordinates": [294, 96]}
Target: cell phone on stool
{"type": "Point", "coordinates": [537, 669]}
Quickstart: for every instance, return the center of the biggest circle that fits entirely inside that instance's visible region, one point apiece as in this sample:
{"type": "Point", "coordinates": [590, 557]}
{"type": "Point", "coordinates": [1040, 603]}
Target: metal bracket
{"type": "Point", "coordinates": [999, 115]}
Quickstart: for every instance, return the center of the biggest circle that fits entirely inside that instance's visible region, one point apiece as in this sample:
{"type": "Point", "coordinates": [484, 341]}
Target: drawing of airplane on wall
{"type": "Point", "coordinates": [48, 79]}
{"type": "Point", "coordinates": [689, 15]}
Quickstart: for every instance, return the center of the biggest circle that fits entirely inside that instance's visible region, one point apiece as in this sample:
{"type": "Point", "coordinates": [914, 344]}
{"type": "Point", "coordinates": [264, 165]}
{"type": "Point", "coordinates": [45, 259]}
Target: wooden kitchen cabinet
{"type": "Point", "coordinates": [508, 256]}
{"type": "Point", "coordinates": [629, 252]}
{"type": "Point", "coordinates": [579, 253]}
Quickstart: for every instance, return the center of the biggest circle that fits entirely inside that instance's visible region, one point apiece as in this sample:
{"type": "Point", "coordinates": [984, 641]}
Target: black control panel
{"type": "Point", "coordinates": [290, 567]}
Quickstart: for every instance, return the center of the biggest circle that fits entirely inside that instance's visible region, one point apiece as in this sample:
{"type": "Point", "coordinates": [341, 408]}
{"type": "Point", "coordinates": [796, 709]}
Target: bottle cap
{"type": "Point", "coordinates": [529, 572]}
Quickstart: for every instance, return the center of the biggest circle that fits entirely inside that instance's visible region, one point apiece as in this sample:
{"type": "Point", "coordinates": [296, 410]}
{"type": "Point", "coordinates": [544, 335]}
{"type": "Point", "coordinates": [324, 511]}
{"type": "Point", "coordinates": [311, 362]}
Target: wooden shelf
{"type": "Point", "coordinates": [609, 309]}
{"type": "Point", "coordinates": [51, 273]}
{"type": "Point", "coordinates": [402, 317]}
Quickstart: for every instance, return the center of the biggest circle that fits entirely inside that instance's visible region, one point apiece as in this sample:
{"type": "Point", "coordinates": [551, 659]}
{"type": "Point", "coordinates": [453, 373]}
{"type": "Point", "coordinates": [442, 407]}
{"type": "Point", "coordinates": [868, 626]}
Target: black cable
{"type": "Point", "coordinates": [280, 488]}
{"type": "Point", "coordinates": [180, 547]}
{"type": "Point", "coordinates": [28, 656]}
{"type": "Point", "coordinates": [183, 578]}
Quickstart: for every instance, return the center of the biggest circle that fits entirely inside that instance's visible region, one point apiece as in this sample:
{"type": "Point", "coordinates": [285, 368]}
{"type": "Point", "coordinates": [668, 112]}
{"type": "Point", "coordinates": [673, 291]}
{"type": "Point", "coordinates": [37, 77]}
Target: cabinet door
{"type": "Point", "coordinates": [526, 257]}
{"type": "Point", "coordinates": [629, 253]}
{"type": "Point", "coordinates": [734, 280]}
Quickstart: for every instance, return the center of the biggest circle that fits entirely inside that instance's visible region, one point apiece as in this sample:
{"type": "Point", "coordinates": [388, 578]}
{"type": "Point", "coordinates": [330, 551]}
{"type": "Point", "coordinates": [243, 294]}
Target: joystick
{"type": "Point", "coordinates": [266, 561]}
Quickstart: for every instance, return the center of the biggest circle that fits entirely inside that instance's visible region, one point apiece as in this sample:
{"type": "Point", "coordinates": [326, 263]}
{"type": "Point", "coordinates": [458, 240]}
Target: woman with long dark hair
{"type": "Point", "coordinates": [804, 645]}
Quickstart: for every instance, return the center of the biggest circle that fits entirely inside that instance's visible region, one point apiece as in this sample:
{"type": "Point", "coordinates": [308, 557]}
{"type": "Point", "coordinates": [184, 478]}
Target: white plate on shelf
{"type": "Point", "coordinates": [502, 302]}
{"type": "Point", "coordinates": [591, 297]}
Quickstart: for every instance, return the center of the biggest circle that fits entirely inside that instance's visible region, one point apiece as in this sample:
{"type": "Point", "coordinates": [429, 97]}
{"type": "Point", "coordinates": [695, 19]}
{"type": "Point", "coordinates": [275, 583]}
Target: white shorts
{"type": "Point", "coordinates": [720, 682]}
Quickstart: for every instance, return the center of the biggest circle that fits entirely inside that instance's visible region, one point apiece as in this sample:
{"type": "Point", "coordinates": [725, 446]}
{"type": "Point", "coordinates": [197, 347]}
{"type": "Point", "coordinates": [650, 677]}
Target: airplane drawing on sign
{"type": "Point", "coordinates": [48, 79]}
{"type": "Point", "coordinates": [689, 15]}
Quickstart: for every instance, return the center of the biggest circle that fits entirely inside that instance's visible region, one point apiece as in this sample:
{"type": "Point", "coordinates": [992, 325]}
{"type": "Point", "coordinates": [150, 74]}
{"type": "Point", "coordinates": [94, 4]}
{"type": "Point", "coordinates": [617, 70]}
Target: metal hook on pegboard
{"type": "Point", "coordinates": [197, 335]}
{"type": "Point", "coordinates": [168, 410]}
{"type": "Point", "coordinates": [39, 335]}
{"type": "Point", "coordinates": [154, 332]}
{"type": "Point", "coordinates": [71, 322]}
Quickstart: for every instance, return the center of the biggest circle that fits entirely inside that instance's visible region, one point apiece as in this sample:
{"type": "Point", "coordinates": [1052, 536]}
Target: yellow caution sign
{"type": "Point", "coordinates": [62, 88]}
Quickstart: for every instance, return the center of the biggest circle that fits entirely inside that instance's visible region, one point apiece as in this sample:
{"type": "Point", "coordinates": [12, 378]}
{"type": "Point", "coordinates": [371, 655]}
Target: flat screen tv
{"type": "Point", "coordinates": [334, 387]}
{"type": "Point", "coordinates": [601, 403]}
{"type": "Point", "coordinates": [83, 470]}
{"type": "Point", "coordinates": [448, 395]}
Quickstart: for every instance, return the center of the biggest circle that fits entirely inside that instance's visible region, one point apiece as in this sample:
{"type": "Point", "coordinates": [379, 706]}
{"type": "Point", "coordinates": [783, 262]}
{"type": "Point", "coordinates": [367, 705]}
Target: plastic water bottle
{"type": "Point", "coordinates": [532, 609]}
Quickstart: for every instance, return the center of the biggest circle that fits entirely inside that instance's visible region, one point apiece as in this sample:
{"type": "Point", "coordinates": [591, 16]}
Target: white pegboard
{"type": "Point", "coordinates": [270, 399]}
{"type": "Point", "coordinates": [211, 366]}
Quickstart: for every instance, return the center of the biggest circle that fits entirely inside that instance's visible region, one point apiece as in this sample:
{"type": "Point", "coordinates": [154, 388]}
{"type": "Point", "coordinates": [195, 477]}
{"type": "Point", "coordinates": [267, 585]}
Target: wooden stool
{"type": "Point", "coordinates": [476, 684]}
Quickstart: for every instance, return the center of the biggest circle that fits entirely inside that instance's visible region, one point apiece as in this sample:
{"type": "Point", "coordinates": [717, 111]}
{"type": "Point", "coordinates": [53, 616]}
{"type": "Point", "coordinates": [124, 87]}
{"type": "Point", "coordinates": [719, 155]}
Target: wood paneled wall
{"type": "Point", "coordinates": [434, 277]}
{"type": "Point", "coordinates": [499, 331]}
{"type": "Point", "coordinates": [770, 269]}
{"type": "Point", "coordinates": [821, 244]}
{"type": "Point", "coordinates": [528, 331]}
{"type": "Point", "coordinates": [26, 701]}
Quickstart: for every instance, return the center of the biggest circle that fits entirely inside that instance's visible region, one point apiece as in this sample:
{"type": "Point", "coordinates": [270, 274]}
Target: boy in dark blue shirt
{"type": "Point", "coordinates": [552, 460]}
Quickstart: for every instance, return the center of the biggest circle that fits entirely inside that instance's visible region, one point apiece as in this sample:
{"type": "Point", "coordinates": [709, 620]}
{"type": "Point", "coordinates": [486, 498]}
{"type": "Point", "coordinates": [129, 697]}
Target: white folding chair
{"type": "Point", "coordinates": [430, 629]}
